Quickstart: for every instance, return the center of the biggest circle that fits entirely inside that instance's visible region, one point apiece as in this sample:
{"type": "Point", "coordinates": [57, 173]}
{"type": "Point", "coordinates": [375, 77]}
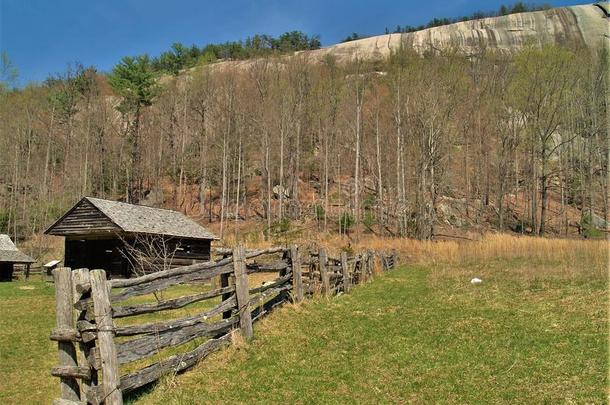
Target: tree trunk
{"type": "Point", "coordinates": [268, 175]}
{"type": "Point", "coordinates": [237, 189]}
{"type": "Point", "coordinates": [224, 185]}
{"type": "Point", "coordinates": [357, 171]}
{"type": "Point", "coordinates": [379, 178]}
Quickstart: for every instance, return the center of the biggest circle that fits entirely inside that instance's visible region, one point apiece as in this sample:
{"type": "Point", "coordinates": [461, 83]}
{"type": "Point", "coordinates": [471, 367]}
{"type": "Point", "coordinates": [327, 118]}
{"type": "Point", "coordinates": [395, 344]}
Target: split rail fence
{"type": "Point", "coordinates": [95, 343]}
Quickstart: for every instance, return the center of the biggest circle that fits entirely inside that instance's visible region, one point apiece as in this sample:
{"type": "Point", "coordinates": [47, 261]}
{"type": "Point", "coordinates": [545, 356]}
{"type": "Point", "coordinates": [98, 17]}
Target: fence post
{"type": "Point", "coordinates": [111, 379]}
{"type": "Point", "coordinates": [347, 285]}
{"type": "Point", "coordinates": [372, 263]}
{"type": "Point", "coordinates": [241, 292]}
{"type": "Point", "coordinates": [79, 277]}
{"type": "Point", "coordinates": [67, 350]}
{"type": "Point", "coordinates": [225, 281]}
{"type": "Point", "coordinates": [322, 258]}
{"type": "Point", "coordinates": [364, 263]}
{"type": "Point", "coordinates": [297, 275]}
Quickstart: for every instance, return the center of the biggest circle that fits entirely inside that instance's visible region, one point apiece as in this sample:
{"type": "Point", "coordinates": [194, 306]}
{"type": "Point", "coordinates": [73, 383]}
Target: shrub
{"type": "Point", "coordinates": [589, 230]}
{"type": "Point", "coordinates": [369, 220]}
{"type": "Point", "coordinates": [346, 221]}
{"type": "Point", "coordinates": [369, 202]}
{"type": "Point", "coordinates": [318, 212]}
{"type": "Point", "coordinates": [280, 227]}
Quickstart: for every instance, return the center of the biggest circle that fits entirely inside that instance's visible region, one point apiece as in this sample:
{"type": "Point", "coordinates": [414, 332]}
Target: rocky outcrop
{"type": "Point", "coordinates": [585, 25]}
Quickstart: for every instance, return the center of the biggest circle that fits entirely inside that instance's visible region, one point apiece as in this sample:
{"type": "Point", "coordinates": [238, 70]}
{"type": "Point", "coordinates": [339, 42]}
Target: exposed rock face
{"type": "Point", "coordinates": [586, 25]}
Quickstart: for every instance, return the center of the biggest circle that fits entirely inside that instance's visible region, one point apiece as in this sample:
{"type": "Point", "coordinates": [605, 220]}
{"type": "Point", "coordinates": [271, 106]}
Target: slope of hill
{"type": "Point", "coordinates": [219, 146]}
{"type": "Point", "coordinates": [587, 25]}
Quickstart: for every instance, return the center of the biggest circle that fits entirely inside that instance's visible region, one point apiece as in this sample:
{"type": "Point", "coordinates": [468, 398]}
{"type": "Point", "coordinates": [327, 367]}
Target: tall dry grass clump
{"type": "Point", "coordinates": [570, 252]}
{"type": "Point", "coordinates": [575, 253]}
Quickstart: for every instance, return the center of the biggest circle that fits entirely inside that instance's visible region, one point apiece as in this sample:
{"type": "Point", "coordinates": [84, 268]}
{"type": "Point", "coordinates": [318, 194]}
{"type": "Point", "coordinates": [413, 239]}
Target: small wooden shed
{"type": "Point", "coordinates": [126, 239]}
{"type": "Point", "coordinates": [9, 256]}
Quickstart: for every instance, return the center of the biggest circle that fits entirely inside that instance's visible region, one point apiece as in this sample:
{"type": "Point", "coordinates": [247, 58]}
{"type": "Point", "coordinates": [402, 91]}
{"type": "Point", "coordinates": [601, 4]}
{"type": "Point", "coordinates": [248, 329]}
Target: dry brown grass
{"type": "Point", "coordinates": [569, 252]}
{"type": "Point", "coordinates": [44, 248]}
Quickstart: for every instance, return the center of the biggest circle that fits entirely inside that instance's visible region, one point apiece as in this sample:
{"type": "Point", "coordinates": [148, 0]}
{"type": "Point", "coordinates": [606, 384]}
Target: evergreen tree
{"type": "Point", "coordinates": [134, 81]}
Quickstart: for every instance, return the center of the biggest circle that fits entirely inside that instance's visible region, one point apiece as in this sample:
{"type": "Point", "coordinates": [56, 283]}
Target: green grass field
{"type": "Point", "coordinates": [27, 316]}
{"type": "Point", "coordinates": [533, 332]}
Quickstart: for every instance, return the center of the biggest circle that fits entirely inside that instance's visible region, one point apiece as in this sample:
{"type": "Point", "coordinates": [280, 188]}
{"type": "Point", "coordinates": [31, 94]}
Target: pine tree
{"type": "Point", "coordinates": [134, 81]}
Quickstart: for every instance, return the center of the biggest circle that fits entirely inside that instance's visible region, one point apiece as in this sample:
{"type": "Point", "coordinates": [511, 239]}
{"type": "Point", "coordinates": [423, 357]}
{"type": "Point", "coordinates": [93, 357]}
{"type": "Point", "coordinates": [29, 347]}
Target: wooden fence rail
{"type": "Point", "coordinates": [96, 342]}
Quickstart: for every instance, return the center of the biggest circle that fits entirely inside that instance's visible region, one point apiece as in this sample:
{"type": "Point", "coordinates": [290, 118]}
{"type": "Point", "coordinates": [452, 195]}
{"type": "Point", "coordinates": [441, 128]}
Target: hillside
{"type": "Point", "coordinates": [584, 25]}
{"type": "Point", "coordinates": [405, 143]}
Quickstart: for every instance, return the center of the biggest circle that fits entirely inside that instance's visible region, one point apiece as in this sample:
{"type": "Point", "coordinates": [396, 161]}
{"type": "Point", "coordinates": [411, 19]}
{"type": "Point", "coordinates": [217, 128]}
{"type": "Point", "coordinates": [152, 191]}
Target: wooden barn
{"type": "Point", "coordinates": [126, 239]}
{"type": "Point", "coordinates": [9, 256]}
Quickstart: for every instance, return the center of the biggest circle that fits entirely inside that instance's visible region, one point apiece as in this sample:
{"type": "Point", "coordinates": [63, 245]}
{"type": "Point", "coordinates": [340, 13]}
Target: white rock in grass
{"type": "Point", "coordinates": [476, 281]}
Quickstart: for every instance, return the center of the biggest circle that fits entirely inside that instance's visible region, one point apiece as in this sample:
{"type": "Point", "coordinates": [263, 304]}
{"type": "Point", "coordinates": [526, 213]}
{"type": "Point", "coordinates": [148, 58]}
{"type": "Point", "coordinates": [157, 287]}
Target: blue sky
{"type": "Point", "coordinates": [42, 36]}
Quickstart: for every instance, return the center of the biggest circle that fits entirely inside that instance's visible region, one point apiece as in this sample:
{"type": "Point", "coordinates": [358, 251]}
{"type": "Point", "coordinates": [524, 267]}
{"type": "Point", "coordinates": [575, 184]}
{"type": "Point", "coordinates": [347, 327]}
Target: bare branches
{"type": "Point", "coordinates": [382, 141]}
{"type": "Point", "coordinates": [149, 253]}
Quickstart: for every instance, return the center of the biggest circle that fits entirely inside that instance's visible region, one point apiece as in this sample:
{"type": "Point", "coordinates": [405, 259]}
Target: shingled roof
{"type": "Point", "coordinates": [131, 218]}
{"type": "Point", "coordinates": [9, 252]}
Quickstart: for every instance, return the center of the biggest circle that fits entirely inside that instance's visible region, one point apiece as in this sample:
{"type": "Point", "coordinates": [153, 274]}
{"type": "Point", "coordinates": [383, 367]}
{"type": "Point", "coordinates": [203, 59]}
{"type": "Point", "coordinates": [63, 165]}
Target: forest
{"type": "Point", "coordinates": [519, 141]}
{"type": "Point", "coordinates": [181, 57]}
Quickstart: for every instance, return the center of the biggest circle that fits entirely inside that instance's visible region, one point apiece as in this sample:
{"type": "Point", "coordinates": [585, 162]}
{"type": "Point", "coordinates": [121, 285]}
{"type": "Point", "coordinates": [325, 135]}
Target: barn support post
{"type": "Point", "coordinates": [323, 258]}
{"type": "Point", "coordinates": [70, 390]}
{"type": "Point", "coordinates": [242, 292]}
{"type": "Point", "coordinates": [347, 284]}
{"type": "Point", "coordinates": [111, 378]}
{"type": "Point", "coordinates": [297, 275]}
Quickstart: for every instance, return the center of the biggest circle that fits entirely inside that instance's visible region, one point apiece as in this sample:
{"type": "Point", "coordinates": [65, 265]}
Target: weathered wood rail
{"type": "Point", "coordinates": [95, 343]}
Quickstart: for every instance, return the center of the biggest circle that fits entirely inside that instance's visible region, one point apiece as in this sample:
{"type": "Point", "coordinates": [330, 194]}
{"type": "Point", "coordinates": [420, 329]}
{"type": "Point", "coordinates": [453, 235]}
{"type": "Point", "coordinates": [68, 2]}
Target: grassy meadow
{"type": "Point", "coordinates": [535, 331]}
{"type": "Point", "coordinates": [27, 316]}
